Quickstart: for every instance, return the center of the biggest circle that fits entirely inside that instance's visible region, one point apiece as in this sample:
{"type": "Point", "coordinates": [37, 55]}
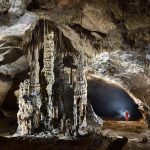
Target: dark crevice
{"type": "Point", "coordinates": [33, 5]}
{"type": "Point", "coordinates": [82, 31]}
{"type": "Point", "coordinates": [95, 40]}
{"type": "Point", "coordinates": [68, 61]}
{"type": "Point", "coordinates": [66, 46]}
{"type": "Point", "coordinates": [6, 78]}
{"type": "Point", "coordinates": [138, 7]}
{"type": "Point", "coordinates": [12, 56]}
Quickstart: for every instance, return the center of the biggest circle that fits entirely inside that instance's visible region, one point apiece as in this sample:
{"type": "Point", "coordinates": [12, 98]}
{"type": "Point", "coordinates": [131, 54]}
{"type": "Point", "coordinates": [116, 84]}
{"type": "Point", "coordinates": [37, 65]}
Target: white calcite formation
{"type": "Point", "coordinates": [53, 102]}
{"type": "Point", "coordinates": [17, 7]}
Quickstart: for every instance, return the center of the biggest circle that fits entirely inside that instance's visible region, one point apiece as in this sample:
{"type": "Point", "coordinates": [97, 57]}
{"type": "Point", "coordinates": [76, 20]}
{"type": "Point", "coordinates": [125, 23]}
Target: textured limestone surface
{"type": "Point", "coordinates": [63, 42]}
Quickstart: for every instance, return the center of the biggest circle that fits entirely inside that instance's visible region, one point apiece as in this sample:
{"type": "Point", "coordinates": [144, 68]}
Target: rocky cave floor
{"type": "Point", "coordinates": [136, 132]}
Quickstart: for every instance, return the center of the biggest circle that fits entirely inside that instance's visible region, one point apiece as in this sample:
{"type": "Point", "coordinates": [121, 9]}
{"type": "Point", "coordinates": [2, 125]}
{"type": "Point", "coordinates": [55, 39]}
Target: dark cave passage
{"type": "Point", "coordinates": [110, 102]}
{"type": "Point", "coordinates": [10, 102]}
{"type": "Point", "coordinates": [9, 109]}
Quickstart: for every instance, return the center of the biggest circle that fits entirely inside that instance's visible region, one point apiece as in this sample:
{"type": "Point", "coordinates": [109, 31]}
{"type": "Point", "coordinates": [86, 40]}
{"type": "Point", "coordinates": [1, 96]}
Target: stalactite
{"type": "Point", "coordinates": [80, 97]}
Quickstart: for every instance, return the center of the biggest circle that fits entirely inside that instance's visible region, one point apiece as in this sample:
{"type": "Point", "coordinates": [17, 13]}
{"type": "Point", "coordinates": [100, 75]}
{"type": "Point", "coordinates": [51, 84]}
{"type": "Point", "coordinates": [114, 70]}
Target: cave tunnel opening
{"type": "Point", "coordinates": [110, 102]}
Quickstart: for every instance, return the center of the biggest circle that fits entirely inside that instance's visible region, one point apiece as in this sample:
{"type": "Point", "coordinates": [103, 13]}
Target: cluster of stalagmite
{"type": "Point", "coordinates": [50, 100]}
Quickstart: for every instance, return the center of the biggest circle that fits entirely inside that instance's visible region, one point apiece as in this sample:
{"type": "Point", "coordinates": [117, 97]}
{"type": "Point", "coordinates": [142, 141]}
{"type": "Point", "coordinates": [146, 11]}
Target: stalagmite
{"type": "Point", "coordinates": [37, 101]}
{"type": "Point", "coordinates": [49, 112]}
{"type": "Point", "coordinates": [25, 109]}
{"type": "Point", "coordinates": [80, 97]}
{"type": "Point", "coordinates": [30, 98]}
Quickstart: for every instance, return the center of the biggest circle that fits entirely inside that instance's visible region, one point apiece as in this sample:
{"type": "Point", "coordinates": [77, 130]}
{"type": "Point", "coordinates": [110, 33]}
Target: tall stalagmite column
{"type": "Point", "coordinates": [25, 109]}
{"type": "Point", "coordinates": [29, 96]}
{"type": "Point", "coordinates": [80, 97]}
{"type": "Point", "coordinates": [48, 111]}
{"type": "Point", "coordinates": [36, 109]}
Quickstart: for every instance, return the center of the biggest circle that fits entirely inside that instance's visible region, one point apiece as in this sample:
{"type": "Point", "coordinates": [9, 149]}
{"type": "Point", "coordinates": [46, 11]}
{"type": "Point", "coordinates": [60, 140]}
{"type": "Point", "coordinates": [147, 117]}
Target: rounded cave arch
{"type": "Point", "coordinates": [110, 101]}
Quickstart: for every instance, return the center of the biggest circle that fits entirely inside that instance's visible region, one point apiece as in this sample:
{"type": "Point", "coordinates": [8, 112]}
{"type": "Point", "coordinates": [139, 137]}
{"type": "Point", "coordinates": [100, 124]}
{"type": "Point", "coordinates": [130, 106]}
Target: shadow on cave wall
{"type": "Point", "coordinates": [9, 109]}
{"type": "Point", "coordinates": [111, 102]}
{"type": "Point", "coordinates": [10, 102]}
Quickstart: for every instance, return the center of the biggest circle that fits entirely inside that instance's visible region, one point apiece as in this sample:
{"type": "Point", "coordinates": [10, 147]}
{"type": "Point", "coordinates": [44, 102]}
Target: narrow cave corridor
{"type": "Point", "coordinates": [111, 103]}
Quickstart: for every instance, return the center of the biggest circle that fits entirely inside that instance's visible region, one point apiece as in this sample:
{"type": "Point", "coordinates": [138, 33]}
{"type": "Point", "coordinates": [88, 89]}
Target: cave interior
{"type": "Point", "coordinates": [74, 73]}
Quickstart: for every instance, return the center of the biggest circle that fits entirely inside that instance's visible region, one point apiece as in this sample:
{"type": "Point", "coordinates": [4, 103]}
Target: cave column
{"type": "Point", "coordinates": [48, 73]}
{"type": "Point", "coordinates": [80, 97]}
{"type": "Point", "coordinates": [36, 107]}
{"type": "Point", "coordinates": [29, 97]}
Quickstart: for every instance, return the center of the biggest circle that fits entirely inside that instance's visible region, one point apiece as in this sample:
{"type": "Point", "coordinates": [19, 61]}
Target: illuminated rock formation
{"type": "Point", "coordinates": [80, 96]}
{"type": "Point", "coordinates": [48, 110]}
{"type": "Point", "coordinates": [39, 94]}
